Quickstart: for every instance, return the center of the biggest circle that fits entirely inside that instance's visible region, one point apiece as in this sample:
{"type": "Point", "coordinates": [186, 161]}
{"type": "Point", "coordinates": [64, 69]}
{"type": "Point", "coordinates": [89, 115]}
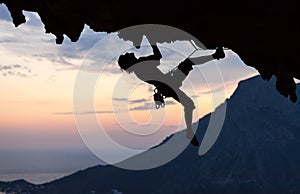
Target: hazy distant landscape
{"type": "Point", "coordinates": [38, 166]}
{"type": "Point", "coordinates": [256, 152]}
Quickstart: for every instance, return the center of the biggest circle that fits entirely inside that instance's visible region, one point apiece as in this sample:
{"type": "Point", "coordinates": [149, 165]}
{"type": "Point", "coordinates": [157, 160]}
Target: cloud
{"type": "Point", "coordinates": [69, 50]}
{"type": "Point", "coordinates": [33, 19]}
{"type": "Point", "coordinates": [136, 101]}
{"type": "Point", "coordinates": [106, 52]}
{"type": "Point", "coordinates": [145, 106]}
{"type": "Point", "coordinates": [151, 105]}
{"type": "Point", "coordinates": [15, 70]}
{"type": "Point", "coordinates": [194, 96]}
{"type": "Point", "coordinates": [83, 113]}
{"type": "Point", "coordinates": [94, 52]}
{"type": "Point", "coordinates": [139, 124]}
{"type": "Point", "coordinates": [30, 42]}
{"type": "Point", "coordinates": [170, 102]}
{"type": "Point", "coordinates": [88, 39]}
{"type": "Point", "coordinates": [54, 58]}
{"type": "Point", "coordinates": [4, 13]}
{"type": "Point", "coordinates": [120, 99]}
{"type": "Point", "coordinates": [111, 68]}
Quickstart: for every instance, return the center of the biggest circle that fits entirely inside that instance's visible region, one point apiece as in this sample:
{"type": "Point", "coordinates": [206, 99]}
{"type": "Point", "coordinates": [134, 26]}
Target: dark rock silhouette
{"type": "Point", "coordinates": [265, 34]}
{"type": "Point", "coordinates": [167, 85]}
{"type": "Point", "coordinates": [17, 186]}
{"type": "Point", "coordinates": [256, 152]}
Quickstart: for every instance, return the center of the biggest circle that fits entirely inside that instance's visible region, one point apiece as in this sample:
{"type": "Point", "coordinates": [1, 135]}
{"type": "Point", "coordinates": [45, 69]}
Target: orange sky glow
{"type": "Point", "coordinates": [37, 81]}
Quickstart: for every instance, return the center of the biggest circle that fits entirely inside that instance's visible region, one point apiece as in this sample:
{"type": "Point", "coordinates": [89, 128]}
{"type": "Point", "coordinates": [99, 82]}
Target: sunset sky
{"type": "Point", "coordinates": [37, 80]}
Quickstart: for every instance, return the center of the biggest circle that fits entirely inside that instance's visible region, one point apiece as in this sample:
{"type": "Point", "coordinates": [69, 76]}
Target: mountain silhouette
{"type": "Point", "coordinates": [257, 152]}
{"type": "Point", "coordinates": [17, 186]}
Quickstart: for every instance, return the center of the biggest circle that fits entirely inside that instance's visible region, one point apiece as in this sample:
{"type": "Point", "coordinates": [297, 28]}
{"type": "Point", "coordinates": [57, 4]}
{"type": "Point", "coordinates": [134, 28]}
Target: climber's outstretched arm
{"type": "Point", "coordinates": [219, 54]}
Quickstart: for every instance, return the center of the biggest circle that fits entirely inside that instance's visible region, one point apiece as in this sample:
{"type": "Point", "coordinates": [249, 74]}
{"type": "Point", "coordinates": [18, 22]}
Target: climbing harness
{"type": "Point", "coordinates": [158, 99]}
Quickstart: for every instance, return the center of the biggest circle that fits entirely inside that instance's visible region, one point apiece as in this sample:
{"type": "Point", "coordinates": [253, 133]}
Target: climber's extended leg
{"type": "Point", "coordinates": [189, 106]}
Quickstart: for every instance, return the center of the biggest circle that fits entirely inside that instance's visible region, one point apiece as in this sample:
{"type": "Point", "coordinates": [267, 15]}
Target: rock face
{"type": "Point", "coordinates": [256, 152]}
{"type": "Point", "coordinates": [18, 186]}
{"type": "Point", "coordinates": [265, 34]}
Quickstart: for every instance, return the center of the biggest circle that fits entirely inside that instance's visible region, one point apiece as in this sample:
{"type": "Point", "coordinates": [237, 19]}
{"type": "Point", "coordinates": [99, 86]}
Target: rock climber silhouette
{"type": "Point", "coordinates": [167, 85]}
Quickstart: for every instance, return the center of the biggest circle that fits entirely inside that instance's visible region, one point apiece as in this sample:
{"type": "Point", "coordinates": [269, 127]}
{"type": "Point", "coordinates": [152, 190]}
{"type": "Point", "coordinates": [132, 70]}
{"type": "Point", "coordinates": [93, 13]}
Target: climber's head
{"type": "Point", "coordinates": [126, 61]}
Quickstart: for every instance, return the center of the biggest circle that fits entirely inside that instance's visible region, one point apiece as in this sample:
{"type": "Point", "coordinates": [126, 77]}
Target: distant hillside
{"type": "Point", "coordinates": [256, 152]}
{"type": "Point", "coordinates": [17, 186]}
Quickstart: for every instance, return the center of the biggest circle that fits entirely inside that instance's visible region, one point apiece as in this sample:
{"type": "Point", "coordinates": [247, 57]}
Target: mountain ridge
{"type": "Point", "coordinates": [256, 152]}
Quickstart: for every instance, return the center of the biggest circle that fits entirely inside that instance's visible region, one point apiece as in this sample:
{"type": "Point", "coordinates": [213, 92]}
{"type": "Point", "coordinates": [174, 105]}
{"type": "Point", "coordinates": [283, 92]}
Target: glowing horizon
{"type": "Point", "coordinates": [37, 80]}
